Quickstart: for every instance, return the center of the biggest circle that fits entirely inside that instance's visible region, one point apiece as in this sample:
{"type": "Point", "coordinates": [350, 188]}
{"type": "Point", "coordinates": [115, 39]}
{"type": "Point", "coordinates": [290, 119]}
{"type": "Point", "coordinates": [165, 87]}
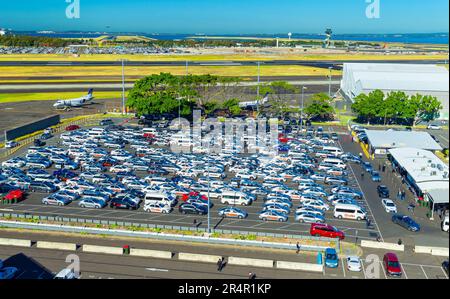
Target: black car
{"type": "Point", "coordinates": [39, 143]}
{"type": "Point", "coordinates": [106, 122]}
{"type": "Point", "coordinates": [383, 191]}
{"type": "Point", "coordinates": [46, 136]}
{"type": "Point", "coordinates": [445, 267]}
{"type": "Point", "coordinates": [118, 203]}
{"type": "Point", "coordinates": [42, 187]}
{"type": "Point", "coordinates": [187, 208]}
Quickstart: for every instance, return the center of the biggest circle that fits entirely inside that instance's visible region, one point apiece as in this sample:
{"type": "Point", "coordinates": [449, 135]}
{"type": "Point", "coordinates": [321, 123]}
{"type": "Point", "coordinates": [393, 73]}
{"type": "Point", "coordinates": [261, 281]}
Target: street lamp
{"type": "Point", "coordinates": [302, 107]}
{"type": "Point", "coordinates": [257, 87]}
{"type": "Point", "coordinates": [329, 85]}
{"type": "Point", "coordinates": [123, 84]}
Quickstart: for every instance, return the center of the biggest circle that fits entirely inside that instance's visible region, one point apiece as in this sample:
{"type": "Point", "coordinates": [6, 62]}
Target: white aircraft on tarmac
{"type": "Point", "coordinates": [253, 105]}
{"type": "Point", "coordinates": [79, 102]}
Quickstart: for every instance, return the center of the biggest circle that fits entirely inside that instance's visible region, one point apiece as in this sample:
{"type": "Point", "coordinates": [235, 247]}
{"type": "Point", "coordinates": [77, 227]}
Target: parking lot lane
{"type": "Point", "coordinates": [435, 272]}
{"type": "Point", "coordinates": [414, 271]}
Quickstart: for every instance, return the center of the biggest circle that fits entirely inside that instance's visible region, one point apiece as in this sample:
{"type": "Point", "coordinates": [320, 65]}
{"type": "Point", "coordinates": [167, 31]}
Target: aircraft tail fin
{"type": "Point", "coordinates": [90, 91]}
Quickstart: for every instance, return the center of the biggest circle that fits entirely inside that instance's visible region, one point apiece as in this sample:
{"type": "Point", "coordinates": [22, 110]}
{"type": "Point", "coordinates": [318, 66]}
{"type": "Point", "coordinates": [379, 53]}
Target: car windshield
{"type": "Point", "coordinates": [331, 256]}
{"type": "Point", "coordinates": [394, 264]}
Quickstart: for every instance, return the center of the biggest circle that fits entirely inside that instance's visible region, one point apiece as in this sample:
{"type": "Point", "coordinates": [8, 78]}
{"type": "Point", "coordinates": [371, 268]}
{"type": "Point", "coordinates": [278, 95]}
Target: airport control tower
{"type": "Point", "coordinates": [327, 41]}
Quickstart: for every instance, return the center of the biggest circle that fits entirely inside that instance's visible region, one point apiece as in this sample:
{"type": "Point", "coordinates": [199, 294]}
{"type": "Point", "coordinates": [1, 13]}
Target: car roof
{"type": "Point", "coordinates": [391, 257]}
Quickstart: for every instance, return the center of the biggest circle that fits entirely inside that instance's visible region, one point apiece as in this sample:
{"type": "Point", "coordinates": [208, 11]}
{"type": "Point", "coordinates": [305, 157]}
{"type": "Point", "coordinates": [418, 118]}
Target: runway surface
{"type": "Point", "coordinates": [335, 64]}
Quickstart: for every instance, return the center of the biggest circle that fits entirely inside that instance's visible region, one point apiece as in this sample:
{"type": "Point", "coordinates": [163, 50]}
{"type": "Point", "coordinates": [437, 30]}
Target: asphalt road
{"type": "Point", "coordinates": [38, 263]}
{"type": "Point", "coordinates": [335, 64]}
{"type": "Point", "coordinates": [430, 234]}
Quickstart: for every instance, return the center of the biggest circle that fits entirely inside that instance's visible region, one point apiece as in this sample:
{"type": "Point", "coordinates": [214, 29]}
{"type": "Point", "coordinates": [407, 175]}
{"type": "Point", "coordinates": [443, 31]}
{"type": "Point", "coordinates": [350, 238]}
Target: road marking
{"type": "Point", "coordinates": [364, 196]}
{"type": "Point", "coordinates": [424, 273]}
{"type": "Point", "coordinates": [7, 210]}
{"type": "Point", "coordinates": [343, 267]}
{"type": "Point", "coordinates": [363, 270]}
{"type": "Point", "coordinates": [404, 272]}
{"type": "Point", "coordinates": [419, 265]}
{"type": "Point", "coordinates": [382, 269]}
{"type": "Point", "coordinates": [156, 270]}
{"type": "Point", "coordinates": [445, 274]}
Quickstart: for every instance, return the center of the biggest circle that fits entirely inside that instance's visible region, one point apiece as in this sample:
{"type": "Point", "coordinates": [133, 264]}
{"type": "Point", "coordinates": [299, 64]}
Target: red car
{"type": "Point", "coordinates": [72, 128]}
{"type": "Point", "coordinates": [392, 265]}
{"type": "Point", "coordinates": [17, 195]}
{"type": "Point", "coordinates": [326, 231]}
{"type": "Point", "coordinates": [186, 197]}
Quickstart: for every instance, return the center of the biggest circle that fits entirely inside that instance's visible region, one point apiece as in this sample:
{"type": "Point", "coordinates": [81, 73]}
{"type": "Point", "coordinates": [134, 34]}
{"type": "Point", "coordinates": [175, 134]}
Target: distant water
{"type": "Point", "coordinates": [415, 38]}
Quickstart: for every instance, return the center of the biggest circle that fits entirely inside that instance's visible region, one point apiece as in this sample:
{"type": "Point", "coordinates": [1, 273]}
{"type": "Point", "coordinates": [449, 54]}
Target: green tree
{"type": "Point", "coordinates": [320, 108]}
{"type": "Point", "coordinates": [233, 106]}
{"type": "Point", "coordinates": [425, 108]}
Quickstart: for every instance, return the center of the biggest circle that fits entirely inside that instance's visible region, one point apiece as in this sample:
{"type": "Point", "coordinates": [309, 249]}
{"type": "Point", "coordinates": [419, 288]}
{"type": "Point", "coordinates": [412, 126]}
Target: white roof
{"type": "Point", "coordinates": [401, 139]}
{"type": "Point", "coordinates": [420, 78]}
{"type": "Point", "coordinates": [439, 195]}
{"type": "Point", "coordinates": [424, 167]}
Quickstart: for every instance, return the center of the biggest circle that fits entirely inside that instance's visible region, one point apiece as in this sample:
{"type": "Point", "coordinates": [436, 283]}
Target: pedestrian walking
{"type": "Point", "coordinates": [220, 264]}
{"type": "Point", "coordinates": [251, 275]}
{"type": "Point", "coordinates": [403, 195]}
{"type": "Point", "coordinates": [360, 155]}
{"type": "Point", "coordinates": [362, 175]}
{"type": "Point", "coordinates": [384, 168]}
{"type": "Point", "coordinates": [399, 194]}
{"type": "Point", "coordinates": [379, 167]}
{"type": "Point", "coordinates": [298, 247]}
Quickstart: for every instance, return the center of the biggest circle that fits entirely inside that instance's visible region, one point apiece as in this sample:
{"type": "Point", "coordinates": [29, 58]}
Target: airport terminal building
{"type": "Point", "coordinates": [425, 173]}
{"type": "Point", "coordinates": [364, 78]}
{"type": "Point", "coordinates": [380, 142]}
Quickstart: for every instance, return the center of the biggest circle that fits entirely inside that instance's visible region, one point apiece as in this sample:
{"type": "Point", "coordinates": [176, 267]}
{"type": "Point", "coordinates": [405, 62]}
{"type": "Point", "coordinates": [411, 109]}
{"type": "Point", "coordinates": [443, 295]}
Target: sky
{"type": "Point", "coordinates": [227, 16]}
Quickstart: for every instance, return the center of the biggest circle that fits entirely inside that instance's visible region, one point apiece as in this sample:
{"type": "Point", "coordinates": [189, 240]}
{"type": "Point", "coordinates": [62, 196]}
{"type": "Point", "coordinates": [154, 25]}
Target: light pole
{"type": "Point", "coordinates": [329, 85]}
{"type": "Point", "coordinates": [209, 187]}
{"type": "Point", "coordinates": [302, 107]}
{"type": "Point", "coordinates": [257, 87]}
{"type": "Point", "coordinates": [123, 85]}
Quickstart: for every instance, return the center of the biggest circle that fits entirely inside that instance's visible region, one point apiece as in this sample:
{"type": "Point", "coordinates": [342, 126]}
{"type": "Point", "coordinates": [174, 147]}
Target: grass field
{"type": "Point", "coordinates": [56, 71]}
{"type": "Point", "coordinates": [54, 96]}
{"type": "Point", "coordinates": [235, 57]}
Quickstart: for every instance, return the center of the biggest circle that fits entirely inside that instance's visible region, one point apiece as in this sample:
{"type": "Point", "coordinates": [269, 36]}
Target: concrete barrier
{"type": "Point", "coordinates": [423, 249]}
{"type": "Point", "coordinates": [382, 245]}
{"type": "Point", "coordinates": [55, 245]}
{"type": "Point", "coordinates": [299, 266]}
{"type": "Point", "coordinates": [239, 261]}
{"type": "Point", "coordinates": [102, 249]}
{"type": "Point", "coordinates": [151, 253]}
{"type": "Point", "coordinates": [15, 242]}
{"type": "Point", "coordinates": [440, 252]}
{"type": "Point", "coordinates": [201, 258]}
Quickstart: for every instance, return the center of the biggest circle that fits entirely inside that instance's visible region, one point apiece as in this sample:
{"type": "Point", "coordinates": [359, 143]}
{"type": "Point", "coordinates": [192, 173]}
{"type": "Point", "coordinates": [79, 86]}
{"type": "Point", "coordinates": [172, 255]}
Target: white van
{"type": "Point", "coordinates": [336, 163]}
{"type": "Point", "coordinates": [156, 197]}
{"type": "Point", "coordinates": [333, 150]}
{"type": "Point", "coordinates": [150, 131]}
{"type": "Point", "coordinates": [349, 211]}
{"type": "Point", "coordinates": [235, 198]}
{"type": "Point", "coordinates": [445, 224]}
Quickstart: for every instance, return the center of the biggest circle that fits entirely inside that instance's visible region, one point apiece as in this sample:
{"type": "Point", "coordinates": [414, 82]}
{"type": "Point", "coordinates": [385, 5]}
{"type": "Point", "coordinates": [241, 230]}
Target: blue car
{"type": "Point", "coordinates": [376, 177]}
{"type": "Point", "coordinates": [331, 258]}
{"type": "Point", "coordinates": [367, 167]}
{"type": "Point", "coordinates": [407, 222]}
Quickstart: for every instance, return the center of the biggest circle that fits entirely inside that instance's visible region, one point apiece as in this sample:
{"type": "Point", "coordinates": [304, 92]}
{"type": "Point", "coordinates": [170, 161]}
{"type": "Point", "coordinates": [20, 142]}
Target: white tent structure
{"type": "Point", "coordinates": [425, 79]}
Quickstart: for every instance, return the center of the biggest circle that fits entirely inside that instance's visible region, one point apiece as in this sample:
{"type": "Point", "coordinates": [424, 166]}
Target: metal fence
{"type": "Point", "coordinates": [175, 237]}
{"type": "Point", "coordinates": [57, 129]}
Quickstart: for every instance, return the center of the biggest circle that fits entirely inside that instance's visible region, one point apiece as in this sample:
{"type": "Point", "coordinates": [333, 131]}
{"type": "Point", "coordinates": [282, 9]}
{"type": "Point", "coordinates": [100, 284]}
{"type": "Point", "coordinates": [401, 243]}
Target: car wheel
{"type": "Point", "coordinates": [240, 217]}
{"type": "Point", "coordinates": [82, 206]}
{"type": "Point", "coordinates": [60, 204]}
{"type": "Point", "coordinates": [46, 203]}
{"type": "Point", "coordinates": [264, 219]}
{"type": "Point", "coordinates": [281, 220]}
{"type": "Point", "coordinates": [340, 217]}
{"type": "Point", "coordinates": [359, 219]}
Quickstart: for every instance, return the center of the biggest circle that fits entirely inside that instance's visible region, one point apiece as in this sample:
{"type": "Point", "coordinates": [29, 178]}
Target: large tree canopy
{"type": "Point", "coordinates": [396, 108]}
{"type": "Point", "coordinates": [320, 108]}
{"type": "Point", "coordinates": [165, 92]}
